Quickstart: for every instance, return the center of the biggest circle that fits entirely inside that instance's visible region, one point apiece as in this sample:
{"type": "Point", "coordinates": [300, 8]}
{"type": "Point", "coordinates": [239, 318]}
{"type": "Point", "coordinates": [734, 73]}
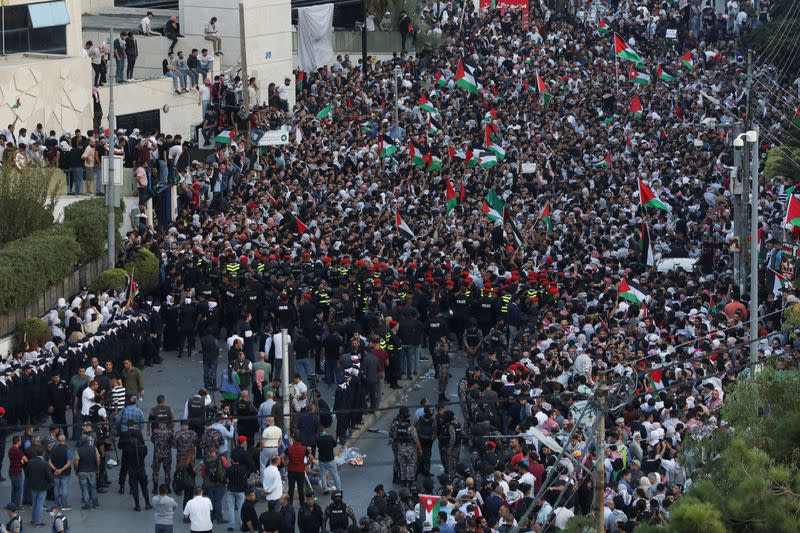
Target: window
{"type": "Point", "coordinates": [35, 28]}
{"type": "Point", "coordinates": [146, 121]}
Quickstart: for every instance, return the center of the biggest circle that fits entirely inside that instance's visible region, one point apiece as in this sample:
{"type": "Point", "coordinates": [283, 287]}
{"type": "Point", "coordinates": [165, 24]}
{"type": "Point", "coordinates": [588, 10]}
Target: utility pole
{"type": "Point", "coordinates": [737, 191]}
{"type": "Point", "coordinates": [397, 72]}
{"type": "Point", "coordinates": [111, 190]}
{"type": "Point", "coordinates": [753, 248]}
{"type": "Point", "coordinates": [600, 469]}
{"type": "Point", "coordinates": [287, 406]}
{"type": "Point", "coordinates": [364, 64]}
{"type": "Point", "coordinates": [245, 76]}
{"type": "Point", "coordinates": [749, 89]}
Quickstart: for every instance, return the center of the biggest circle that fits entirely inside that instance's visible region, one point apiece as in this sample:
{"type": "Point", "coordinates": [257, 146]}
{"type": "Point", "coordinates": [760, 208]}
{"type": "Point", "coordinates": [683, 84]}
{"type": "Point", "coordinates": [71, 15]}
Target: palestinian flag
{"type": "Point", "coordinates": [628, 145]}
{"type": "Point", "coordinates": [631, 291]}
{"type": "Point", "coordinates": [17, 104]}
{"type": "Point", "coordinates": [792, 217]}
{"type": "Point", "coordinates": [425, 105]}
{"type": "Point", "coordinates": [605, 162]}
{"type": "Point", "coordinates": [453, 153]}
{"type": "Point", "coordinates": [796, 117]}
{"type": "Point", "coordinates": [602, 28]}
{"type": "Point", "coordinates": [648, 199]}
{"type": "Point", "coordinates": [490, 115]}
{"type": "Point", "coordinates": [387, 146]}
{"type": "Point", "coordinates": [368, 126]}
{"type": "Point", "coordinates": [663, 75]}
{"type": "Point", "coordinates": [131, 287]}
{"type": "Point", "coordinates": [687, 61]}
{"type": "Point", "coordinates": [647, 248]}
{"type": "Point", "coordinates": [493, 206]}
{"type": "Point", "coordinates": [402, 227]}
{"type": "Point", "coordinates": [779, 283]}
{"type": "Point", "coordinates": [325, 113]}
{"type": "Point", "coordinates": [301, 228]}
{"type": "Point", "coordinates": [635, 109]}
{"type": "Point", "coordinates": [434, 162]}
{"type": "Point", "coordinates": [472, 158]}
{"type": "Point", "coordinates": [431, 505]}
{"type": "Point", "coordinates": [514, 231]}
{"type": "Point", "coordinates": [224, 137]}
{"type": "Point", "coordinates": [451, 198]}
{"type": "Point", "coordinates": [487, 160]}
{"type": "Point", "coordinates": [623, 51]}
{"type": "Point", "coordinates": [417, 156]}
{"type": "Point", "coordinates": [652, 381]}
{"type": "Point", "coordinates": [712, 56]}
{"type": "Point", "coordinates": [642, 78]}
{"type": "Point", "coordinates": [464, 79]}
{"type": "Point", "coordinates": [440, 80]}
{"type": "Point", "coordinates": [434, 127]}
{"type": "Point", "coordinates": [272, 199]}
{"type": "Point", "coordinates": [547, 218]}
{"type": "Point", "coordinates": [543, 91]}
{"type": "Point", "coordinates": [494, 148]}
{"type": "Point", "coordinates": [299, 79]}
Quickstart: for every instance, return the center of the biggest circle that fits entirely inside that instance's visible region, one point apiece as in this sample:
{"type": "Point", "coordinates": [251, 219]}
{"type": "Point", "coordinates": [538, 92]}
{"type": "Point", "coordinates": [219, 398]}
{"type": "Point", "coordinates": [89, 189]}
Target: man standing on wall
{"type": "Point", "coordinates": [119, 56]}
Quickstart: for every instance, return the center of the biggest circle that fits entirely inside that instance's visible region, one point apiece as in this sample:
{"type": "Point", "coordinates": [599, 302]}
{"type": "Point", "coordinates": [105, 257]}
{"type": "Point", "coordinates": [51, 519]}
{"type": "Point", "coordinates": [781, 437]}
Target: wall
{"type": "Point", "coordinates": [268, 34]}
{"type": "Point", "coordinates": [195, 14]}
{"type": "Point", "coordinates": [53, 90]}
{"type": "Point", "coordinates": [74, 43]}
{"type": "Point", "coordinates": [184, 109]}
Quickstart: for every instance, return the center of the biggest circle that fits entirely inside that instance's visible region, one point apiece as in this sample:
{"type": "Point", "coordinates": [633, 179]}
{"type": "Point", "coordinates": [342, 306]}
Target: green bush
{"type": "Point", "coordinates": [28, 266]}
{"type": "Point", "coordinates": [112, 278]}
{"type": "Point", "coordinates": [89, 219]}
{"type": "Point", "coordinates": [34, 331]}
{"type": "Point", "coordinates": [145, 269]}
{"type": "Point", "coordinates": [27, 201]}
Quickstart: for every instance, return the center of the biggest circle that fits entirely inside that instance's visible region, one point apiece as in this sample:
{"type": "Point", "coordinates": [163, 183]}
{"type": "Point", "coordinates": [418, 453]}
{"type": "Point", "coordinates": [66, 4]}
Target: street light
{"type": "Point", "coordinates": [397, 73]}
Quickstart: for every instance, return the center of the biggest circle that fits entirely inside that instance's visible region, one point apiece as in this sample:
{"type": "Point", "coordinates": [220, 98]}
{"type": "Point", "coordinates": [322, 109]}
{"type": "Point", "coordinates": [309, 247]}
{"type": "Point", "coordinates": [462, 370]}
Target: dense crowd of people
{"type": "Point", "coordinates": [502, 221]}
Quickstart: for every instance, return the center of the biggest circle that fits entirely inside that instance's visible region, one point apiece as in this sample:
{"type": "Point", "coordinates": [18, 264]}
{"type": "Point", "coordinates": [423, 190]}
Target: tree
{"type": "Point", "coordinates": [783, 161]}
{"type": "Point", "coordinates": [27, 200]}
{"type": "Point", "coordinates": [750, 480]}
{"type": "Point", "coordinates": [776, 40]}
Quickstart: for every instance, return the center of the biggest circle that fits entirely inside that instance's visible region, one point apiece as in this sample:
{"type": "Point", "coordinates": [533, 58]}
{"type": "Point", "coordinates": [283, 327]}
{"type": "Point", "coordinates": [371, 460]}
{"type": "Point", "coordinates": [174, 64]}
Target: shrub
{"type": "Point", "coordinates": [28, 266]}
{"type": "Point", "coordinates": [34, 331]}
{"type": "Point", "coordinates": [145, 269]}
{"type": "Point", "coordinates": [112, 278]}
{"type": "Point", "coordinates": [89, 219]}
{"type": "Point", "coordinates": [26, 200]}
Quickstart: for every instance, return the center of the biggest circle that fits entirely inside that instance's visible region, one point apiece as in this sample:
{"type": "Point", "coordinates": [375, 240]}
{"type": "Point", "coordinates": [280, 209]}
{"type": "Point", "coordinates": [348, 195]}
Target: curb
{"type": "Point", "coordinates": [389, 398]}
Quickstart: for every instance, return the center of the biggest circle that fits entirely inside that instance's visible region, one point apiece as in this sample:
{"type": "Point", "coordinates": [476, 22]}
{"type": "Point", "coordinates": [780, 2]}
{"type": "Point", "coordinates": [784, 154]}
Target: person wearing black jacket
{"type": "Point", "coordinates": [210, 349]}
{"type": "Point", "coordinates": [57, 400]}
{"type": "Point", "coordinates": [187, 322]}
{"type": "Point", "coordinates": [193, 64]}
{"type": "Point", "coordinates": [137, 475]}
{"type": "Point", "coordinates": [39, 476]}
{"type": "Point", "coordinates": [309, 516]}
{"type": "Point", "coordinates": [287, 515]}
{"type": "Point", "coordinates": [131, 53]}
{"type": "Point", "coordinates": [248, 513]}
{"type": "Point", "coordinates": [155, 331]}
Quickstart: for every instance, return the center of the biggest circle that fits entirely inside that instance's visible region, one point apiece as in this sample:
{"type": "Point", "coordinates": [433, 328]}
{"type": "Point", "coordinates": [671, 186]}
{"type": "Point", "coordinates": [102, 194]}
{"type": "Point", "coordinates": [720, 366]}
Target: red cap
{"type": "Point", "coordinates": [242, 438]}
{"type": "Point", "coordinates": [326, 259]}
{"type": "Point", "coordinates": [307, 296]}
{"type": "Point", "coordinates": [2, 411]}
{"type": "Point", "coordinates": [393, 322]}
{"type": "Point", "coordinates": [491, 444]}
{"type": "Point", "coordinates": [345, 260]}
{"type": "Point", "coordinates": [306, 255]}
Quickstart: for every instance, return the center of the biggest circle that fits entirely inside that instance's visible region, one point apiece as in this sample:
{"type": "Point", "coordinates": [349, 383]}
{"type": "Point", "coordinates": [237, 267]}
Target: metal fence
{"type": "Point", "coordinates": [66, 288]}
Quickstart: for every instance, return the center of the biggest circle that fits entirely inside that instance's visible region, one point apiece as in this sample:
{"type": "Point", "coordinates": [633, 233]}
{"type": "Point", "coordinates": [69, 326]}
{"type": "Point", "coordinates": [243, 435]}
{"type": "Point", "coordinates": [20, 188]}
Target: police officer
{"type": "Point", "coordinates": [441, 362]}
{"type": "Point", "coordinates": [473, 341]}
{"type": "Point", "coordinates": [196, 411]}
{"type": "Point", "coordinates": [137, 476]}
{"type": "Point", "coordinates": [57, 400]}
{"type": "Point", "coordinates": [284, 313]}
{"type": "Point", "coordinates": [187, 325]}
{"type": "Point", "coordinates": [406, 446]}
{"type": "Point", "coordinates": [184, 440]}
{"type": "Point", "coordinates": [338, 514]}
{"type": "Point", "coordinates": [449, 437]}
{"type": "Point", "coordinates": [162, 438]}
{"type": "Point", "coordinates": [393, 346]}
{"type": "Point", "coordinates": [231, 298]}
{"type": "Point", "coordinates": [435, 328]}
{"type": "Point", "coordinates": [426, 433]}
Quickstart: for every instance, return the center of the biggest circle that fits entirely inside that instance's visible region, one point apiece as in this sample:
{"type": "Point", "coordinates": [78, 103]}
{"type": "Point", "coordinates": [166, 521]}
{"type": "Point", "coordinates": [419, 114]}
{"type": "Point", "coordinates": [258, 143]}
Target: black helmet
{"type": "Point", "coordinates": [404, 493]}
{"type": "Point", "coordinates": [336, 494]}
{"type": "Point", "coordinates": [372, 512]}
{"type": "Point", "coordinates": [391, 497]}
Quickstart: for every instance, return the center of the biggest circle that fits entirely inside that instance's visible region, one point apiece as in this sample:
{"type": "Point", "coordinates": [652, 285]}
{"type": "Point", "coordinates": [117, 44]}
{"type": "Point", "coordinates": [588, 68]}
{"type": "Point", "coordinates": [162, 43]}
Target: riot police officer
{"type": "Point", "coordinates": [338, 513]}
{"type": "Point", "coordinates": [406, 446]}
{"type": "Point", "coordinates": [426, 433]}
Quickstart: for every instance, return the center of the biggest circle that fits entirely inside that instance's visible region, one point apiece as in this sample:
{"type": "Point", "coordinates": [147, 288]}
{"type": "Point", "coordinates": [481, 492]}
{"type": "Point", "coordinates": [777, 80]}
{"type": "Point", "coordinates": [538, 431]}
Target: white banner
{"type": "Point", "coordinates": [315, 36]}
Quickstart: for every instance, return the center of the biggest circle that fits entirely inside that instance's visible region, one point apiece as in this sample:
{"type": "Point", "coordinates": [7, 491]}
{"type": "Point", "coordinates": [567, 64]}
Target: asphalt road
{"type": "Point", "coordinates": [178, 379]}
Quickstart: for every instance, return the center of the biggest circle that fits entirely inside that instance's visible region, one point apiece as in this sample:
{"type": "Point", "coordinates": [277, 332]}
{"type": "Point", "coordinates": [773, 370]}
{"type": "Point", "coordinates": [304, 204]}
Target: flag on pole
{"type": "Point", "coordinates": [514, 231]}
{"type": "Point", "coordinates": [687, 61]}
{"type": "Point", "coordinates": [602, 27]}
{"type": "Point", "coordinates": [131, 287]}
{"type": "Point", "coordinates": [402, 227]}
{"type": "Point", "coordinates": [387, 146]}
{"type": "Point", "coordinates": [664, 75]}
{"type": "Point", "coordinates": [301, 76]}
{"type": "Point", "coordinates": [440, 80]}
{"type": "Point", "coordinates": [425, 105]}
{"type": "Point", "coordinates": [648, 199]}
{"type": "Point", "coordinates": [464, 79]}
{"type": "Point", "coordinates": [653, 381]}
{"type": "Point", "coordinates": [547, 218]}
{"type": "Point", "coordinates": [486, 159]}
{"type": "Point", "coordinates": [493, 206]}
{"type": "Point", "coordinates": [792, 217]}
{"type": "Point", "coordinates": [272, 199]}
{"type": "Point", "coordinates": [451, 198]}
{"type": "Point", "coordinates": [494, 148]}
{"type": "Point", "coordinates": [434, 127]}
{"type": "Point", "coordinates": [642, 78]}
{"type": "Point", "coordinates": [628, 145]}
{"type": "Point", "coordinates": [431, 505]}
{"type": "Point", "coordinates": [301, 228]}
{"type": "Point", "coordinates": [224, 137]}
{"type": "Point", "coordinates": [605, 162]}
{"type": "Point", "coordinates": [779, 283]}
{"type": "Point", "coordinates": [635, 109]}
{"type": "Point", "coordinates": [416, 155]}
{"type": "Point", "coordinates": [453, 153]}
{"type": "Point", "coordinates": [796, 117]}
{"type": "Point", "coordinates": [623, 51]}
{"type": "Point", "coordinates": [542, 89]}
{"type": "Point", "coordinates": [631, 291]}
{"type": "Point", "coordinates": [647, 248]}
{"type": "Point", "coordinates": [325, 113]}
{"type": "Point", "coordinates": [368, 126]}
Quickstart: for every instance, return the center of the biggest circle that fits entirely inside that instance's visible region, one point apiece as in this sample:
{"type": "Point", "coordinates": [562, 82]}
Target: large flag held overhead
{"type": "Point", "coordinates": [224, 137]}
{"type": "Point", "coordinates": [387, 146]}
{"type": "Point", "coordinates": [494, 148]}
{"type": "Point", "coordinates": [623, 51]}
{"type": "Point", "coordinates": [653, 381]}
{"type": "Point", "coordinates": [325, 112]}
{"type": "Point", "coordinates": [451, 198]}
{"type": "Point", "coordinates": [664, 75]}
{"type": "Point", "coordinates": [514, 230]}
{"type": "Point", "coordinates": [465, 79]}
{"type": "Point", "coordinates": [647, 247]}
{"type": "Point", "coordinates": [542, 89]}
{"type": "Point", "coordinates": [547, 218]}
{"type": "Point", "coordinates": [301, 228]}
{"type": "Point", "coordinates": [425, 105]}
{"type": "Point", "coordinates": [648, 199]}
{"type": "Point", "coordinates": [417, 155]}
{"type": "Point", "coordinates": [635, 109]}
{"type": "Point", "coordinates": [402, 227]}
{"type": "Point", "coordinates": [792, 217]}
{"type": "Point", "coordinates": [640, 77]}
{"type": "Point", "coordinates": [631, 291]}
{"type": "Point", "coordinates": [602, 28]}
{"type": "Point", "coordinates": [687, 61]}
{"type": "Point", "coordinates": [486, 159]}
{"type": "Point", "coordinates": [453, 153]}
{"type": "Point", "coordinates": [605, 162]}
{"type": "Point", "coordinates": [493, 206]}
{"type": "Point", "coordinates": [431, 505]}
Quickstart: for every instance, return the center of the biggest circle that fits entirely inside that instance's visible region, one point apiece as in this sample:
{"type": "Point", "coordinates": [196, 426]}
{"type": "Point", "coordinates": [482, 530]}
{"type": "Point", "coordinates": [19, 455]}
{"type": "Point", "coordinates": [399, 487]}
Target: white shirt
{"type": "Point", "coordinates": [283, 92]}
{"type": "Point", "coordinates": [146, 25]}
{"type": "Point", "coordinates": [174, 153]}
{"type": "Point", "coordinates": [198, 509]}
{"type": "Point", "coordinates": [87, 400]}
{"type": "Point", "coordinates": [272, 436]}
{"type": "Point", "coordinates": [277, 341]}
{"type": "Point", "coordinates": [205, 93]}
{"type": "Point", "coordinates": [272, 483]}
{"type": "Point", "coordinates": [90, 373]}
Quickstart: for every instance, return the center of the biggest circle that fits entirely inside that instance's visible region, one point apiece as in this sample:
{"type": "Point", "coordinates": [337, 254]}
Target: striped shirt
{"type": "Point", "coordinates": [15, 455]}
{"type": "Point", "coordinates": [118, 397]}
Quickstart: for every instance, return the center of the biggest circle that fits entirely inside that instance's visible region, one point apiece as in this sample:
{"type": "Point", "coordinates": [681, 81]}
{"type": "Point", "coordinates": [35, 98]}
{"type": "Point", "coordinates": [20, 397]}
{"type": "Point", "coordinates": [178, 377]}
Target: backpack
{"type": "Point", "coordinates": [215, 471]}
{"type": "Point", "coordinates": [178, 483]}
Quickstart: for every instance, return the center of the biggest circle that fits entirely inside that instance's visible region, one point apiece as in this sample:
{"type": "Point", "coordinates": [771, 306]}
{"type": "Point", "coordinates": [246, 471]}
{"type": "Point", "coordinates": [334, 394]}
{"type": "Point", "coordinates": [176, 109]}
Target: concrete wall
{"type": "Point", "coordinates": [184, 109]}
{"type": "Point", "coordinates": [53, 90]}
{"type": "Point", "coordinates": [268, 34]}
{"type": "Point", "coordinates": [349, 42]}
{"type": "Point", "coordinates": [195, 14]}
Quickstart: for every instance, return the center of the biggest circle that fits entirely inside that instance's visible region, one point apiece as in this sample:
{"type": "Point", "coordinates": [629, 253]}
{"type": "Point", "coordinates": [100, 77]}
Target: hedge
{"type": "Point", "coordinates": [89, 218]}
{"type": "Point", "coordinates": [30, 265]}
{"type": "Point", "coordinates": [145, 269]}
{"type": "Point", "coordinates": [33, 330]}
{"type": "Point", "coordinates": [113, 278]}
